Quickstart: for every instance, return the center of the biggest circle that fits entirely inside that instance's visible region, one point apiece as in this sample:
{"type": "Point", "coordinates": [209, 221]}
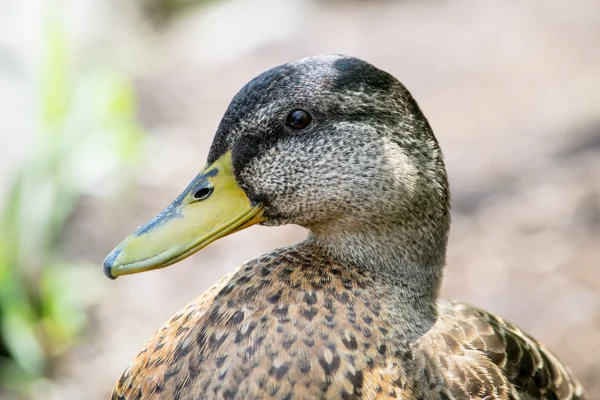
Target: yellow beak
{"type": "Point", "coordinates": [211, 207]}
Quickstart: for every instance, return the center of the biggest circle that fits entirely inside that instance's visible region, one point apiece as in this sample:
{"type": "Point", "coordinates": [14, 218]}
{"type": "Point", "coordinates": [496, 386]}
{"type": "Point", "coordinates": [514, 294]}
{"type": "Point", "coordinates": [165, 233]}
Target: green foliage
{"type": "Point", "coordinates": [161, 12]}
{"type": "Point", "coordinates": [87, 128]}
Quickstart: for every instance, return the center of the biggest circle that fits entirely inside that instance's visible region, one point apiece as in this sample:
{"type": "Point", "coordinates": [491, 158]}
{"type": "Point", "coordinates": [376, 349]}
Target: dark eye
{"type": "Point", "coordinates": [203, 194]}
{"type": "Point", "coordinates": [298, 119]}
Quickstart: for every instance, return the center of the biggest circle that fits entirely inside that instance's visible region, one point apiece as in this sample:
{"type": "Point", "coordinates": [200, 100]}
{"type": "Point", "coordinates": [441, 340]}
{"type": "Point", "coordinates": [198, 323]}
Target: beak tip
{"type": "Point", "coordinates": [109, 262]}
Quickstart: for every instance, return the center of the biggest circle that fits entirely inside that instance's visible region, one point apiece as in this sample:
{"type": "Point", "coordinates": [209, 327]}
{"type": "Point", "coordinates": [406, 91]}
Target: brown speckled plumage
{"type": "Point", "coordinates": [289, 325]}
{"type": "Point", "coordinates": [353, 311]}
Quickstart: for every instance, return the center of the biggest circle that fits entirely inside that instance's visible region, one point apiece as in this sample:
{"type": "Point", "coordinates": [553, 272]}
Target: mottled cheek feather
{"type": "Point", "coordinates": [316, 176]}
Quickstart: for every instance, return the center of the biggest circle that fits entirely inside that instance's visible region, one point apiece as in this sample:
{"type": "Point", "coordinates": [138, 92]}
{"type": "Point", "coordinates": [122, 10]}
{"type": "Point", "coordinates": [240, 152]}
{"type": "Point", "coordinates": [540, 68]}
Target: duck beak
{"type": "Point", "coordinates": [211, 207]}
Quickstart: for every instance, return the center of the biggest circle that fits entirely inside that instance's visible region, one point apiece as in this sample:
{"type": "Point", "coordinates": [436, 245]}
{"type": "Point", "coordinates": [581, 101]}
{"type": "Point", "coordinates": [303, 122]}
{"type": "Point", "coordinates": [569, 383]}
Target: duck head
{"type": "Point", "coordinates": [330, 143]}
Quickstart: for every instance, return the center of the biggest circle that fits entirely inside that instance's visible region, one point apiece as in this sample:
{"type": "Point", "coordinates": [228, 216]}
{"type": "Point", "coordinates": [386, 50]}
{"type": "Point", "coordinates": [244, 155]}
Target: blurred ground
{"type": "Point", "coordinates": [512, 90]}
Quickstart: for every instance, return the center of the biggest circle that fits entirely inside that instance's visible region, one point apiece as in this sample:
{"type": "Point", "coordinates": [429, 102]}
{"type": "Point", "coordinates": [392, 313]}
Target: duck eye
{"type": "Point", "coordinates": [203, 194]}
{"type": "Point", "coordinates": [298, 119]}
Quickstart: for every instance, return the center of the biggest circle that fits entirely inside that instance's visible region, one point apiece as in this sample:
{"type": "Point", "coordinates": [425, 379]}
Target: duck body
{"type": "Point", "coordinates": [292, 325]}
{"type": "Point", "coordinates": [338, 146]}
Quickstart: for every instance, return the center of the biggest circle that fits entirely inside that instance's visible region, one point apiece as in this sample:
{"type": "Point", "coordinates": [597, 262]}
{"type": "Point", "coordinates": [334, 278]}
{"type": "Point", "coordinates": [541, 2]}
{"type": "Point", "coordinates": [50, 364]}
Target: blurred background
{"type": "Point", "coordinates": [108, 109]}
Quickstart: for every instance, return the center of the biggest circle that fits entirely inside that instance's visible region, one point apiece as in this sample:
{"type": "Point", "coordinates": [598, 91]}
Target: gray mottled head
{"type": "Point", "coordinates": [367, 164]}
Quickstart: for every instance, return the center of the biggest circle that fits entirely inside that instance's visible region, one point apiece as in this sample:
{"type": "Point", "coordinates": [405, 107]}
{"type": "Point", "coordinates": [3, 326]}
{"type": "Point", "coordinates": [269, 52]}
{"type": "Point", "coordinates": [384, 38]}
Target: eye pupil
{"type": "Point", "coordinates": [203, 194]}
{"type": "Point", "coordinates": [298, 119]}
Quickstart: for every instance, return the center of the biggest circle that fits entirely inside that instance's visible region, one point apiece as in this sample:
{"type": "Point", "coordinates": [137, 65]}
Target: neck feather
{"type": "Point", "coordinates": [409, 256]}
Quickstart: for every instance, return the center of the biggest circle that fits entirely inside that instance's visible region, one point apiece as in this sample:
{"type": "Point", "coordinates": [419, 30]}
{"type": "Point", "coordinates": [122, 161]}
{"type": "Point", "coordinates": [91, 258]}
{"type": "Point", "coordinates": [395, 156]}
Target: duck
{"type": "Point", "coordinates": [337, 146]}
